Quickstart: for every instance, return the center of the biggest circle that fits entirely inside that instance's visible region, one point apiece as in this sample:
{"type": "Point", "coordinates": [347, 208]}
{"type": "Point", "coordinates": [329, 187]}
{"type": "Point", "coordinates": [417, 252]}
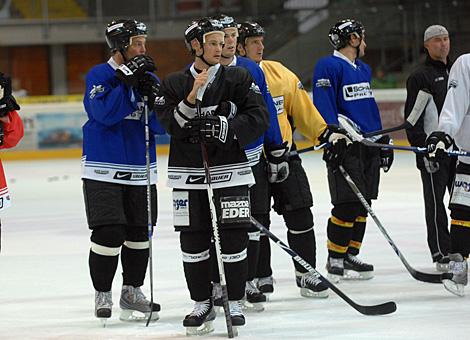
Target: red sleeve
{"type": "Point", "coordinates": [13, 130]}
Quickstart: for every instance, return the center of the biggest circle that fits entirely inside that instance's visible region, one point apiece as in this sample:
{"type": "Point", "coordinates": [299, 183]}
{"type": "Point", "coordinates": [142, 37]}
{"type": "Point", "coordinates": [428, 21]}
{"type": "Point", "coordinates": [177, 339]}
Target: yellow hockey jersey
{"type": "Point", "coordinates": [295, 109]}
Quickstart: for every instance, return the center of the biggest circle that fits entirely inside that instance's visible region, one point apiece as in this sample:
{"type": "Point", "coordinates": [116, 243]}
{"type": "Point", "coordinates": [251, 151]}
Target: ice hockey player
{"type": "Point", "coordinates": [432, 76]}
{"type": "Point", "coordinates": [454, 125]}
{"type": "Point", "coordinates": [114, 171]}
{"type": "Point", "coordinates": [341, 85]}
{"type": "Point", "coordinates": [11, 132]}
{"type": "Point", "coordinates": [274, 169]}
{"type": "Point", "coordinates": [292, 197]}
{"type": "Point", "coordinates": [231, 115]}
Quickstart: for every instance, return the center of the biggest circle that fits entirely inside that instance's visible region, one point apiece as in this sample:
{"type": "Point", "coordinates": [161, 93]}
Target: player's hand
{"type": "Point", "coordinates": [278, 165]}
{"type": "Point", "coordinates": [210, 129]}
{"type": "Point", "coordinates": [437, 143]}
{"type": "Point", "coordinates": [338, 142]}
{"type": "Point", "coordinates": [149, 86]}
{"type": "Point", "coordinates": [386, 155]}
{"type": "Point", "coordinates": [199, 81]}
{"type": "Point", "coordinates": [133, 70]}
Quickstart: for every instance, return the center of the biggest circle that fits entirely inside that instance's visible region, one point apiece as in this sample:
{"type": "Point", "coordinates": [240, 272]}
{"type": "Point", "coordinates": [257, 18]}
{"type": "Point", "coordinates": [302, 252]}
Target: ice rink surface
{"type": "Point", "coordinates": [46, 292]}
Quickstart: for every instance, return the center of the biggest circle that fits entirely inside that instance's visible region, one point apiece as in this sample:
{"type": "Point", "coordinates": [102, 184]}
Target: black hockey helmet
{"type": "Point", "coordinates": [340, 33]}
{"type": "Point", "coordinates": [225, 20]}
{"type": "Point", "coordinates": [198, 30]}
{"type": "Point", "coordinates": [249, 29]}
{"type": "Point", "coordinates": [119, 33]}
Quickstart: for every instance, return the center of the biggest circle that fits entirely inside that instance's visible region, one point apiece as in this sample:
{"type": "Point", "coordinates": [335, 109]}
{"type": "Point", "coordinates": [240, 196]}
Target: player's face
{"type": "Point", "coordinates": [137, 47]}
{"type": "Point", "coordinates": [357, 41]}
{"type": "Point", "coordinates": [213, 47]}
{"type": "Point", "coordinates": [254, 48]}
{"type": "Point", "coordinates": [438, 47]}
{"type": "Point", "coordinates": [231, 35]}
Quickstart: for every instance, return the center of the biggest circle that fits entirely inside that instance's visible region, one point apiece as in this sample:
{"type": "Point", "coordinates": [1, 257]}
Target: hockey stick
{"type": "Point", "coordinates": [420, 276]}
{"type": "Point", "coordinates": [356, 136]}
{"type": "Point", "coordinates": [215, 229]}
{"type": "Point", "coordinates": [381, 309]}
{"type": "Point", "coordinates": [149, 203]}
{"type": "Point", "coordinates": [310, 148]}
{"type": "Point", "coordinates": [422, 100]}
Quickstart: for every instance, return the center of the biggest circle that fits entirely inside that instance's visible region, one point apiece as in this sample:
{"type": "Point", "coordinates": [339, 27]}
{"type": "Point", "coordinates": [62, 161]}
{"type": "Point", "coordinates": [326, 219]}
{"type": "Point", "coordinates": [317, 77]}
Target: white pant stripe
{"type": "Point", "coordinates": [298, 232]}
{"type": "Point", "coordinates": [103, 250]}
{"type": "Point", "coordinates": [193, 258]}
{"type": "Point", "coordinates": [231, 258]}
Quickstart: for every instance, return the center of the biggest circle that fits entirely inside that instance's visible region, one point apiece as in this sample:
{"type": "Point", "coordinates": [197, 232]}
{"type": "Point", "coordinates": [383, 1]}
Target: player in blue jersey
{"type": "Point", "coordinates": [114, 168]}
{"type": "Point", "coordinates": [341, 86]}
{"type": "Point", "coordinates": [268, 167]}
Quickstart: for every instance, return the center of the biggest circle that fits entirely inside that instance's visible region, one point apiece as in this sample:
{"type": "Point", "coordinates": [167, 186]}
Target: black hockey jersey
{"type": "Point", "coordinates": [229, 165]}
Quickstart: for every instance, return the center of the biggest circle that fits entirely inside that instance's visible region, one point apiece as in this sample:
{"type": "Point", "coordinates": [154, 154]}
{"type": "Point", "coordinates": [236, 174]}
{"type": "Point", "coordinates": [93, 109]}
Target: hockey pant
{"type": "Point", "coordinates": [347, 224]}
{"type": "Point", "coordinates": [460, 211]}
{"type": "Point", "coordinates": [117, 216]}
{"type": "Point", "coordinates": [434, 189]}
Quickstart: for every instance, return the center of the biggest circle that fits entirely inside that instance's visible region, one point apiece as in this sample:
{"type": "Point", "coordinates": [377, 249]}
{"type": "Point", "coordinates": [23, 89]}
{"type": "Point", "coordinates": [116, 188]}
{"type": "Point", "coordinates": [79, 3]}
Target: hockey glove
{"type": "Point", "coordinates": [338, 142]}
{"type": "Point", "coordinates": [7, 101]}
{"type": "Point", "coordinates": [133, 70]}
{"type": "Point", "coordinates": [149, 86]}
{"type": "Point", "coordinates": [431, 166]}
{"type": "Point", "coordinates": [437, 143]}
{"type": "Point", "coordinates": [278, 165]}
{"type": "Point", "coordinates": [386, 155]}
{"type": "Point", "coordinates": [226, 109]}
{"type": "Point", "coordinates": [210, 129]}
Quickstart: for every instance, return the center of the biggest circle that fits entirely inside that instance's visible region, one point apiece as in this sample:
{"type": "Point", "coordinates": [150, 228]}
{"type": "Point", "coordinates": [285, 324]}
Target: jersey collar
{"type": "Point", "coordinates": [194, 73]}
{"type": "Point", "coordinates": [113, 63]}
{"type": "Point", "coordinates": [342, 56]}
{"type": "Point", "coordinates": [233, 62]}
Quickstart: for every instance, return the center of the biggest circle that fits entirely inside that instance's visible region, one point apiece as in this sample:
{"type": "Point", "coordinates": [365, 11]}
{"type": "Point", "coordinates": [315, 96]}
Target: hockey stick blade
{"type": "Point", "coordinates": [420, 276]}
{"type": "Point", "coordinates": [422, 100]}
{"type": "Point", "coordinates": [380, 309]}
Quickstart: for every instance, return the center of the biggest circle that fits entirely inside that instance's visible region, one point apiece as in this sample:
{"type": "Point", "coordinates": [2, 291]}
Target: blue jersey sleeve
{"type": "Point", "coordinates": [272, 136]}
{"type": "Point", "coordinates": [107, 100]}
{"type": "Point", "coordinates": [325, 91]}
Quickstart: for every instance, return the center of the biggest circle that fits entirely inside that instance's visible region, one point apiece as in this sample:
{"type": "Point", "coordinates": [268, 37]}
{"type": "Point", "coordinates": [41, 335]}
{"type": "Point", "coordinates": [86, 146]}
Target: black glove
{"type": "Point", "coordinates": [226, 109]}
{"type": "Point", "coordinates": [278, 165]}
{"type": "Point", "coordinates": [437, 143]}
{"type": "Point", "coordinates": [149, 86]}
{"type": "Point", "coordinates": [210, 129]}
{"type": "Point", "coordinates": [386, 155]}
{"type": "Point", "coordinates": [7, 101]}
{"type": "Point", "coordinates": [431, 166]}
{"type": "Point", "coordinates": [133, 70]}
{"type": "Point", "coordinates": [338, 143]}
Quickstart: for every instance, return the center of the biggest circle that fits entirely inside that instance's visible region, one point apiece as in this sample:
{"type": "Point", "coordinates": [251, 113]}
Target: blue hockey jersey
{"type": "Point", "coordinates": [114, 135]}
{"type": "Point", "coordinates": [343, 87]}
{"type": "Point", "coordinates": [272, 135]}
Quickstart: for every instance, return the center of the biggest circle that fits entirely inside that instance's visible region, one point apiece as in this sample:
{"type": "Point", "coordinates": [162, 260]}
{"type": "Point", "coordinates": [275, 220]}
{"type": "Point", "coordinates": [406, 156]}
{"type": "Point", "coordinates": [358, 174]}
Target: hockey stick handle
{"type": "Point", "coordinates": [416, 149]}
{"type": "Point", "coordinates": [405, 125]}
{"type": "Point", "coordinates": [381, 309]}
{"type": "Point", "coordinates": [310, 148]}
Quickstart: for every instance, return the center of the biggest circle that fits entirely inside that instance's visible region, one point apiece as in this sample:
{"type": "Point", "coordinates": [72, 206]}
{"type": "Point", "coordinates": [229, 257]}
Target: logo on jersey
{"type": "Point", "coordinates": [255, 88]}
{"type": "Point", "coordinates": [357, 91]}
{"type": "Point", "coordinates": [235, 209]}
{"type": "Point", "coordinates": [160, 100]}
{"type": "Point", "coordinates": [208, 110]}
{"type": "Point", "coordinates": [465, 186]}
{"type": "Point", "coordinates": [323, 82]}
{"type": "Point", "coordinates": [438, 79]}
{"type": "Point", "coordinates": [453, 83]}
{"type": "Point", "coordinates": [96, 89]}
{"type": "Point", "coordinates": [300, 85]}
{"type": "Point", "coordinates": [2, 92]}
{"type": "Point", "coordinates": [123, 176]}
{"type": "Point", "coordinates": [279, 104]}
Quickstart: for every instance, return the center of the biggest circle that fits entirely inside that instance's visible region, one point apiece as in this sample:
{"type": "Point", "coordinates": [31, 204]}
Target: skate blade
{"type": "Point", "coordinates": [129, 315]}
{"type": "Point", "coordinates": [103, 322]}
{"type": "Point", "coordinates": [454, 288]}
{"type": "Point", "coordinates": [334, 278]}
{"type": "Point", "coordinates": [252, 307]}
{"type": "Point", "coordinates": [353, 275]}
{"type": "Point", "coordinates": [206, 328]}
{"type": "Point", "coordinates": [308, 293]}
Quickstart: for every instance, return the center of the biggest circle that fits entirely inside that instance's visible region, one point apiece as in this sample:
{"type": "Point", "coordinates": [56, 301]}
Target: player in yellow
{"type": "Point", "coordinates": [292, 198]}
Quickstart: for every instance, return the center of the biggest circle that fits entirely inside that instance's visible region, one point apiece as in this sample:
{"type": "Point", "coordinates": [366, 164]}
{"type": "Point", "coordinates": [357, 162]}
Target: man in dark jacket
{"type": "Point", "coordinates": [432, 76]}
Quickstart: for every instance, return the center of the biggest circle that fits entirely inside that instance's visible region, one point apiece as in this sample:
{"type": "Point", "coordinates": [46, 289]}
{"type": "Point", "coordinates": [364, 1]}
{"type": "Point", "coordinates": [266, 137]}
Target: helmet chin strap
{"type": "Point", "coordinates": [203, 59]}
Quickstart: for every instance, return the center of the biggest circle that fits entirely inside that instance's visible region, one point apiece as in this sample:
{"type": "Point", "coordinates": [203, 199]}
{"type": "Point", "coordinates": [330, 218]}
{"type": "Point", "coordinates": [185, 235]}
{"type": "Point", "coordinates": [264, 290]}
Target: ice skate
{"type": "Point", "coordinates": [335, 268]}
{"type": "Point", "coordinates": [310, 286]}
{"type": "Point", "coordinates": [254, 299]}
{"type": "Point", "coordinates": [457, 278]}
{"type": "Point", "coordinates": [355, 269]}
{"type": "Point", "coordinates": [236, 314]}
{"type": "Point", "coordinates": [103, 306]}
{"type": "Point", "coordinates": [135, 306]}
{"type": "Point", "coordinates": [442, 264]}
{"type": "Point", "coordinates": [199, 321]}
{"type": "Point", "coordinates": [265, 285]}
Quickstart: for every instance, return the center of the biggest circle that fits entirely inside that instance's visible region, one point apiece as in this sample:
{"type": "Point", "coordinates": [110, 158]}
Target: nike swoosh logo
{"type": "Point", "coordinates": [123, 175]}
{"type": "Point", "coordinates": [192, 179]}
